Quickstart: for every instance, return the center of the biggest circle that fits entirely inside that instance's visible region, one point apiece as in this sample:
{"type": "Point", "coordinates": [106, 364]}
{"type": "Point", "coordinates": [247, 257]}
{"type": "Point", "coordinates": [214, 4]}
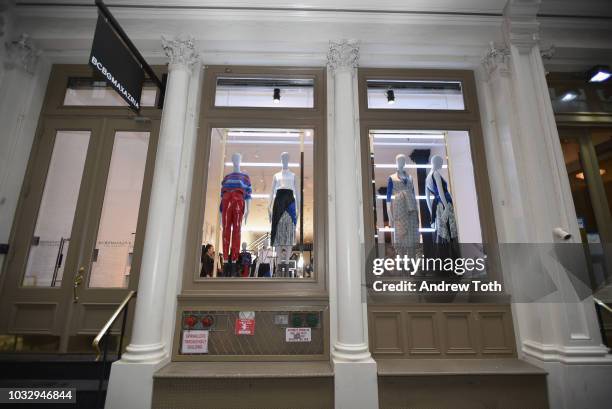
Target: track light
{"type": "Point", "coordinates": [599, 73]}
{"type": "Point", "coordinates": [390, 97]}
{"type": "Point", "coordinates": [276, 95]}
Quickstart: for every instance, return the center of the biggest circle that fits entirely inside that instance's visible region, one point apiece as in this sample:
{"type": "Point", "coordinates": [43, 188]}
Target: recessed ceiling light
{"type": "Point", "coordinates": [599, 73]}
{"type": "Point", "coordinates": [569, 96]}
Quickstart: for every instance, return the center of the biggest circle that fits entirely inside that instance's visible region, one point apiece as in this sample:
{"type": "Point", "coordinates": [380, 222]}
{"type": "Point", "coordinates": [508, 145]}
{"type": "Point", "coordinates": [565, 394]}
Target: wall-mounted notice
{"type": "Point", "coordinates": [195, 342]}
{"type": "Point", "coordinates": [281, 319]}
{"type": "Point", "coordinates": [245, 323]}
{"type": "Point", "coordinates": [298, 334]}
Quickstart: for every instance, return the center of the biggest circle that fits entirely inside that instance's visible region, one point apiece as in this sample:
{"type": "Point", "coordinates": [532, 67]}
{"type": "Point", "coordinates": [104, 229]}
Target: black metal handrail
{"type": "Point", "coordinates": [102, 338]}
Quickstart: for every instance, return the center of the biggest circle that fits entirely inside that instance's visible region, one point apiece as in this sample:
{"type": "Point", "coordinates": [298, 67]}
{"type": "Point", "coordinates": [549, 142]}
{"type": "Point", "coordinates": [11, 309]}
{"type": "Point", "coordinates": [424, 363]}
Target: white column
{"type": "Point", "coordinates": [531, 197]}
{"type": "Point", "coordinates": [146, 344]}
{"type": "Point", "coordinates": [355, 370]}
{"type": "Point", "coordinates": [150, 347]}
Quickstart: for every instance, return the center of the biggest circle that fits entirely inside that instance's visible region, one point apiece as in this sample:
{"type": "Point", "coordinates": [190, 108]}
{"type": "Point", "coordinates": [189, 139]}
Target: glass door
{"type": "Point", "coordinates": [109, 255]}
{"type": "Point", "coordinates": [78, 230]}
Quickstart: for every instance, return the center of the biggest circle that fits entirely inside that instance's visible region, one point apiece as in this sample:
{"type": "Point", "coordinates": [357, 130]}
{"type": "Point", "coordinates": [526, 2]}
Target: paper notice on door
{"type": "Point", "coordinates": [298, 334]}
{"type": "Point", "coordinates": [195, 342]}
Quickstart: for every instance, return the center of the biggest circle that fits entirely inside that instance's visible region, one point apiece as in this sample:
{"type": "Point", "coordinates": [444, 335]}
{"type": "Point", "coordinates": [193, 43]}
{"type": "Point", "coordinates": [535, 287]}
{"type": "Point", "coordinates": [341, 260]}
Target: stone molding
{"type": "Point", "coordinates": [180, 51]}
{"type": "Point", "coordinates": [22, 54]}
{"type": "Point", "coordinates": [343, 54]}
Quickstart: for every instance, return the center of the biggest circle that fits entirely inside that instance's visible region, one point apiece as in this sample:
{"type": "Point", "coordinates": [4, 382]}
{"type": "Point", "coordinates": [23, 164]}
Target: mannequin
{"type": "Point", "coordinates": [403, 209]}
{"type": "Point", "coordinates": [441, 209]}
{"type": "Point", "coordinates": [244, 261]}
{"type": "Point", "coordinates": [282, 209]}
{"type": "Point", "coordinates": [235, 206]}
{"type": "Point", "coordinates": [263, 262]}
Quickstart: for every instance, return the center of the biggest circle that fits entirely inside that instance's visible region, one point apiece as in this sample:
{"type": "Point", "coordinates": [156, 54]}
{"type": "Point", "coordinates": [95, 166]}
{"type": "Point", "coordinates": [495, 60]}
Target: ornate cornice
{"type": "Point", "coordinates": [343, 54]}
{"type": "Point", "coordinates": [180, 51]}
{"type": "Point", "coordinates": [496, 58]}
{"type": "Point", "coordinates": [22, 53]}
{"type": "Point", "coordinates": [548, 53]}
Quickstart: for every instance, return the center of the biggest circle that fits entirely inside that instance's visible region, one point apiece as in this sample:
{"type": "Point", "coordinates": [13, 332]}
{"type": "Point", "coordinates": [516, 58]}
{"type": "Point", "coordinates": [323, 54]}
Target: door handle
{"type": "Point", "coordinates": [78, 279]}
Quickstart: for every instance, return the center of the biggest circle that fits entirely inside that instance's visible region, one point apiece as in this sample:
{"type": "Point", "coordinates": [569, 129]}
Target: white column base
{"type": "Point", "coordinates": [355, 384]}
{"type": "Point", "coordinates": [150, 353]}
{"type": "Point", "coordinates": [131, 385]}
{"type": "Point", "coordinates": [576, 385]}
{"type": "Point", "coordinates": [351, 352]}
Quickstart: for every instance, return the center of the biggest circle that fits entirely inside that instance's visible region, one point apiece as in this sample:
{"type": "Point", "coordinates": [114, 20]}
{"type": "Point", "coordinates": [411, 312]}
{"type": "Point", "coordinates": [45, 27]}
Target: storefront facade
{"type": "Point", "coordinates": [313, 104]}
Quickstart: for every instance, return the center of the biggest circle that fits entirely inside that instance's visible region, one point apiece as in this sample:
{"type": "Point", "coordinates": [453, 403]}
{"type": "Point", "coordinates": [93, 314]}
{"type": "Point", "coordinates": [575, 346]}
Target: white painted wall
{"type": "Point", "coordinates": [21, 98]}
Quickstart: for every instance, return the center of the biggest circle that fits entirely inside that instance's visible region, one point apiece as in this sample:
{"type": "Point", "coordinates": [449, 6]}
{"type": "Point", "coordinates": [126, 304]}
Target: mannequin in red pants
{"type": "Point", "coordinates": [232, 212]}
{"type": "Point", "coordinates": [235, 204]}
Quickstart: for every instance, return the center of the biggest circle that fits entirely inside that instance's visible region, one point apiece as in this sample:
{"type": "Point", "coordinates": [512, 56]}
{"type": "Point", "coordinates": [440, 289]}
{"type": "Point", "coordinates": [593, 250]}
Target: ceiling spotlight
{"type": "Point", "coordinates": [599, 73]}
{"type": "Point", "coordinates": [390, 97]}
{"type": "Point", "coordinates": [569, 96]}
{"type": "Point", "coordinates": [276, 95]}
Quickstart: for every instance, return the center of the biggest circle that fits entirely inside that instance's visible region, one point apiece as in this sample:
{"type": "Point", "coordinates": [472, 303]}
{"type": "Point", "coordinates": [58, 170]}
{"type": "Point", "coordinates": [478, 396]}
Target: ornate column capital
{"type": "Point", "coordinates": [22, 53]}
{"type": "Point", "coordinates": [180, 51]}
{"type": "Point", "coordinates": [343, 54]}
{"type": "Point", "coordinates": [496, 59]}
{"type": "Point", "coordinates": [521, 28]}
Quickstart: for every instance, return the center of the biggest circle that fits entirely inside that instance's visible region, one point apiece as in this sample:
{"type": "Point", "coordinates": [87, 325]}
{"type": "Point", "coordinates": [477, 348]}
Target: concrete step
{"type": "Point", "coordinates": [461, 384]}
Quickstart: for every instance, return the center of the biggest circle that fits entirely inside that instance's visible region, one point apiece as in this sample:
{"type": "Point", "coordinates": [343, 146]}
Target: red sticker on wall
{"type": "Point", "coordinates": [244, 326]}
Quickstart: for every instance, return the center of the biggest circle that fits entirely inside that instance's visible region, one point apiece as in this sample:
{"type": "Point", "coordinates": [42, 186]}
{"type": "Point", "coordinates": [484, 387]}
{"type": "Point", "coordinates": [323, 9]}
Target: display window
{"type": "Point", "coordinates": [259, 208]}
{"type": "Point", "coordinates": [258, 219]}
{"type": "Point", "coordinates": [426, 193]}
{"type": "Point", "coordinates": [423, 191]}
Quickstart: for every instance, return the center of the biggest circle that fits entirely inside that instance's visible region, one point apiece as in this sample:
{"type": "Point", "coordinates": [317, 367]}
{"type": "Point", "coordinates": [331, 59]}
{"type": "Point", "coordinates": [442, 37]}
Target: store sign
{"type": "Point", "coordinates": [112, 59]}
{"type": "Point", "coordinates": [298, 334]}
{"type": "Point", "coordinates": [195, 342]}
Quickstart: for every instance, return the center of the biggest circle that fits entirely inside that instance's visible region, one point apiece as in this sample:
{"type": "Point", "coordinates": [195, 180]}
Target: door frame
{"type": "Point", "coordinates": [103, 122]}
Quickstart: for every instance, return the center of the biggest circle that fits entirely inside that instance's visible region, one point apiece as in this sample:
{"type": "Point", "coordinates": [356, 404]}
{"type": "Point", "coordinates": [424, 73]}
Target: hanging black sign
{"type": "Point", "coordinates": [114, 61]}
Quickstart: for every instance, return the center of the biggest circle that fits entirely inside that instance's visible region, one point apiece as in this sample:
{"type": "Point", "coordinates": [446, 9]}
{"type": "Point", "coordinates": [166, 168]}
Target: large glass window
{"type": "Point", "coordinates": [415, 94]}
{"type": "Point", "coordinates": [258, 218]}
{"type": "Point", "coordinates": [423, 190]}
{"type": "Point", "coordinates": [264, 92]}
{"type": "Point", "coordinates": [90, 92]}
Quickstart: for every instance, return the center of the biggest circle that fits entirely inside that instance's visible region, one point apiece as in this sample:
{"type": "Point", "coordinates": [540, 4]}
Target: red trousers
{"type": "Point", "coordinates": [232, 211]}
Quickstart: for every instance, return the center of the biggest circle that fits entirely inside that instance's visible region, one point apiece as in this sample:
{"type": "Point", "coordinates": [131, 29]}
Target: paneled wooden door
{"type": "Point", "coordinates": [78, 231]}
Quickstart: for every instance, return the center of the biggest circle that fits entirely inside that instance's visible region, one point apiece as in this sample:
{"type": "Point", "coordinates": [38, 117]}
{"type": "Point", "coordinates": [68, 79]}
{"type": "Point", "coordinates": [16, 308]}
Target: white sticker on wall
{"type": "Point", "coordinates": [195, 342]}
{"type": "Point", "coordinates": [281, 319]}
{"type": "Point", "coordinates": [298, 334]}
{"type": "Point", "coordinates": [246, 315]}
